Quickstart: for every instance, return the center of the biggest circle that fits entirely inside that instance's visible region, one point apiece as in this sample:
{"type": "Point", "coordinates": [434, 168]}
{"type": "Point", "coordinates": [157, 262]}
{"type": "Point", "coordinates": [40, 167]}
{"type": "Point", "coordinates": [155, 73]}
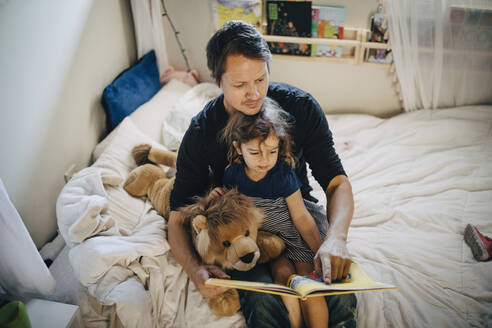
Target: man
{"type": "Point", "coordinates": [238, 58]}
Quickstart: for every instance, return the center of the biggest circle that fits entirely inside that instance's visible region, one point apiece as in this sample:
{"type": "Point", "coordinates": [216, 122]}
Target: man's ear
{"type": "Point", "coordinates": [199, 223]}
{"type": "Point", "coordinates": [237, 147]}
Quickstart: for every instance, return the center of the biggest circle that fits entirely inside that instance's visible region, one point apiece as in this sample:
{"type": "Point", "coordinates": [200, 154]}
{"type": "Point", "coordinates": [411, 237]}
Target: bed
{"type": "Point", "coordinates": [418, 178]}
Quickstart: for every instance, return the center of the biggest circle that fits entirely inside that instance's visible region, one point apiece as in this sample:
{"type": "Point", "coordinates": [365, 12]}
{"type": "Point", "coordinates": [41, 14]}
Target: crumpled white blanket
{"type": "Point", "coordinates": [118, 246]}
{"type": "Point", "coordinates": [177, 121]}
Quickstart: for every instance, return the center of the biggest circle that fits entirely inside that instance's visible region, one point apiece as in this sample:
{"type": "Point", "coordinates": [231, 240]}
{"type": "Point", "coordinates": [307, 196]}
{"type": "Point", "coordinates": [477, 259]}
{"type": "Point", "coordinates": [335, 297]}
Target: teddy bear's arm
{"type": "Point", "coordinates": [270, 246]}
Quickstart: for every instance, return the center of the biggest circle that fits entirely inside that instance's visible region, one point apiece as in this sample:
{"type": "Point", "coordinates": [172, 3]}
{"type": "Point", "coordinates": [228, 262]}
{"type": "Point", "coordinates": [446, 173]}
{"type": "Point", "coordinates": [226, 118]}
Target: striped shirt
{"type": "Point", "coordinates": [269, 194]}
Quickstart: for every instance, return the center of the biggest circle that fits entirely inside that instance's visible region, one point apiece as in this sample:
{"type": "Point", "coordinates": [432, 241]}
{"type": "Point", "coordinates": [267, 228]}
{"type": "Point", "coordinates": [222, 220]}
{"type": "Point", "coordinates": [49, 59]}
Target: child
{"type": "Point", "coordinates": [260, 166]}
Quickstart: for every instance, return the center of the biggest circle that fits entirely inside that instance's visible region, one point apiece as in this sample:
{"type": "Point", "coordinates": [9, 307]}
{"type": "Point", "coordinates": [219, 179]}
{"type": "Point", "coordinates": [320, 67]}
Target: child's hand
{"type": "Point", "coordinates": [217, 192]}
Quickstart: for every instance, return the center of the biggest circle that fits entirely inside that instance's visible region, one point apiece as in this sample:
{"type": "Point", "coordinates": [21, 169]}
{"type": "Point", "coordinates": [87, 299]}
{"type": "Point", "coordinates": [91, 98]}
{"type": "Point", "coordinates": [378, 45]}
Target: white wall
{"type": "Point", "coordinates": [337, 87]}
{"type": "Point", "coordinates": [56, 56]}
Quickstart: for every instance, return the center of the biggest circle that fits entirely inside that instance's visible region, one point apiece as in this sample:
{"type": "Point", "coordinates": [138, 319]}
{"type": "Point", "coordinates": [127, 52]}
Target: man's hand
{"type": "Point", "coordinates": [202, 274]}
{"type": "Point", "coordinates": [332, 261]}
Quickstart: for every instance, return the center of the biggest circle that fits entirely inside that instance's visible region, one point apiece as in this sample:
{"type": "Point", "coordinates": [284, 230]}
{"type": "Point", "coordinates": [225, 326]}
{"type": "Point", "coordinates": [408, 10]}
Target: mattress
{"type": "Point", "coordinates": [418, 179]}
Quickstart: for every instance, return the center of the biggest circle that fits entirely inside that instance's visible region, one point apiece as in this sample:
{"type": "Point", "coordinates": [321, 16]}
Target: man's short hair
{"type": "Point", "coordinates": [235, 38]}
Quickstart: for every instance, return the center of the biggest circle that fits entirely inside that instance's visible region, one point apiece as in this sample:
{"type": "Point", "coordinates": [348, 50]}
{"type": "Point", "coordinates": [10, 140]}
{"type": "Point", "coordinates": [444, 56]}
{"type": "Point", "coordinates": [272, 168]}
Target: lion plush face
{"type": "Point", "coordinates": [224, 230]}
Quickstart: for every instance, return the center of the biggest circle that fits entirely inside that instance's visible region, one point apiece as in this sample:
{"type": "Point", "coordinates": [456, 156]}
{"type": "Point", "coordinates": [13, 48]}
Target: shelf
{"type": "Point", "coordinates": [354, 45]}
{"type": "Point", "coordinates": [375, 45]}
{"type": "Point", "coordinates": [293, 39]}
{"type": "Point", "coordinates": [341, 60]}
{"type": "Point", "coordinates": [371, 45]}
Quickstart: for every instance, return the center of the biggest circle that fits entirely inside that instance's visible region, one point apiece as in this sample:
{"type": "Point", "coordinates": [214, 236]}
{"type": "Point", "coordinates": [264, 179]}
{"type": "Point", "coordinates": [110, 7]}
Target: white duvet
{"type": "Point", "coordinates": [417, 178]}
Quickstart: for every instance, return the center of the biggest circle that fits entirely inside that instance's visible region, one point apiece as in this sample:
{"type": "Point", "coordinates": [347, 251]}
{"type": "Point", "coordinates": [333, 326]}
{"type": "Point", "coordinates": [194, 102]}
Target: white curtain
{"type": "Point", "coordinates": [149, 30]}
{"type": "Point", "coordinates": [22, 270]}
{"type": "Point", "coordinates": [442, 51]}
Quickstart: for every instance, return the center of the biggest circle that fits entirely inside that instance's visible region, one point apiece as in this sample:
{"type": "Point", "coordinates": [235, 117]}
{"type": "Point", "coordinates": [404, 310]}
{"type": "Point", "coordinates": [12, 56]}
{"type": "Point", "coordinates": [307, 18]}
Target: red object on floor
{"type": "Point", "coordinates": [481, 246]}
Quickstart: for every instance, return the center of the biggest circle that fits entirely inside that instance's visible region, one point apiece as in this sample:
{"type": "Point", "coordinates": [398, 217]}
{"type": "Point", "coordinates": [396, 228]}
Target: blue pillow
{"type": "Point", "coordinates": [131, 88]}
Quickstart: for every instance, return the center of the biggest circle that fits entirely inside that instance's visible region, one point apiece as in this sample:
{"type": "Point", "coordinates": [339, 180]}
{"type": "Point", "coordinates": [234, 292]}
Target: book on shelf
{"type": "Point", "coordinates": [309, 286]}
{"type": "Point", "coordinates": [327, 22]}
{"type": "Point", "coordinates": [246, 10]}
{"type": "Point", "coordinates": [289, 18]}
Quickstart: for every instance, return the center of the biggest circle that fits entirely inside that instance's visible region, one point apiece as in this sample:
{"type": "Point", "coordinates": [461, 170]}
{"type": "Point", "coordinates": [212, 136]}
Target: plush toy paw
{"type": "Point", "coordinates": [142, 178]}
{"type": "Point", "coordinates": [270, 245]}
{"type": "Point", "coordinates": [141, 154]}
{"type": "Point", "coordinates": [225, 304]}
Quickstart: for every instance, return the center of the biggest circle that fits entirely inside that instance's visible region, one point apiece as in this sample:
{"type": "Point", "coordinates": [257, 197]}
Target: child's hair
{"type": "Point", "coordinates": [271, 119]}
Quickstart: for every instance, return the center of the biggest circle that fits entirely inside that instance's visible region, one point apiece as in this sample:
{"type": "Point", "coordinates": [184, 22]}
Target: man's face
{"type": "Point", "coordinates": [244, 83]}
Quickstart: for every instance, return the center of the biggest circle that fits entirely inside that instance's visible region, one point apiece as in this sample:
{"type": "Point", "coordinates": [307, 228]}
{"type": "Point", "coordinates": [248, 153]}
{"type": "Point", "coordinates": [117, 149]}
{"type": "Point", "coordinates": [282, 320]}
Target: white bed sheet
{"type": "Point", "coordinates": [417, 178]}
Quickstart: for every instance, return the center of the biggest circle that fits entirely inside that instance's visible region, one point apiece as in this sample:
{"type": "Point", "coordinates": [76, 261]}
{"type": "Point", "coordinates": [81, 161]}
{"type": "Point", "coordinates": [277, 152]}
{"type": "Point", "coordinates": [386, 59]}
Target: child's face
{"type": "Point", "coordinates": [259, 157]}
{"type": "Point", "coordinates": [244, 83]}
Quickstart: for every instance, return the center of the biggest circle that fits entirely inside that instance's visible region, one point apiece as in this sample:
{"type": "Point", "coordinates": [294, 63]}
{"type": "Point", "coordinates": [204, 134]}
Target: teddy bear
{"type": "Point", "coordinates": [189, 77]}
{"type": "Point", "coordinates": [224, 230]}
{"type": "Point", "coordinates": [148, 179]}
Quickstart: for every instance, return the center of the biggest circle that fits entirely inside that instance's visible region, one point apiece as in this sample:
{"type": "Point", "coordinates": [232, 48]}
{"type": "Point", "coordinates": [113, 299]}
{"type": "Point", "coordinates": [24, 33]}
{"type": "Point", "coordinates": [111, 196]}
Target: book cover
{"type": "Point", "coordinates": [289, 18]}
{"type": "Point", "coordinates": [246, 10]}
{"type": "Point", "coordinates": [304, 286]}
{"type": "Point", "coordinates": [327, 22]}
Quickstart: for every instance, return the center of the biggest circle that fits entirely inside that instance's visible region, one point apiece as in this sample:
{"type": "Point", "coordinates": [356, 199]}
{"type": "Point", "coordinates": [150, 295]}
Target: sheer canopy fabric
{"type": "Point", "coordinates": [22, 270]}
{"type": "Point", "coordinates": [149, 30]}
{"type": "Point", "coordinates": [442, 51]}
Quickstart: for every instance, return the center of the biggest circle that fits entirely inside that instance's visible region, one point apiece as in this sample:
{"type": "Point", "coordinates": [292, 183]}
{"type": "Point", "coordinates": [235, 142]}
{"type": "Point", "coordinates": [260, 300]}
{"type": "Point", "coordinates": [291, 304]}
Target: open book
{"type": "Point", "coordinates": [304, 287]}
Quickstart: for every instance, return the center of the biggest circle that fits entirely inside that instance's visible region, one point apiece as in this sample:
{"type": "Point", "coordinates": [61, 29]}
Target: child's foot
{"type": "Point", "coordinates": [481, 246]}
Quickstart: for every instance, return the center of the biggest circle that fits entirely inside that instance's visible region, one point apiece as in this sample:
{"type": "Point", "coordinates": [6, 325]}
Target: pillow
{"type": "Point", "coordinates": [177, 121]}
{"type": "Point", "coordinates": [131, 89]}
{"type": "Point", "coordinates": [149, 117]}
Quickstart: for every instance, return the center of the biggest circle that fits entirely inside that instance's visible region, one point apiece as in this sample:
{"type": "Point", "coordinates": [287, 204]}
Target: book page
{"type": "Point", "coordinates": [263, 287]}
{"type": "Point", "coordinates": [358, 281]}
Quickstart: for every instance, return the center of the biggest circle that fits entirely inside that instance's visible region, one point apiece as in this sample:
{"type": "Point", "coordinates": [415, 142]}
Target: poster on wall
{"type": "Point", "coordinates": [245, 10]}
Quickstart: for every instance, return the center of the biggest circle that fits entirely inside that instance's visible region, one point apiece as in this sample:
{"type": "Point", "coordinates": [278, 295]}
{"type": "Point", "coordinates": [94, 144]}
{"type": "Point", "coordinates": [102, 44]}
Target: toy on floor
{"type": "Point", "coordinates": [480, 245]}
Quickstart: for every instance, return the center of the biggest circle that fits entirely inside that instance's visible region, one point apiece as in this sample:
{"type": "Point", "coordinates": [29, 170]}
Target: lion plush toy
{"type": "Point", "coordinates": [224, 230]}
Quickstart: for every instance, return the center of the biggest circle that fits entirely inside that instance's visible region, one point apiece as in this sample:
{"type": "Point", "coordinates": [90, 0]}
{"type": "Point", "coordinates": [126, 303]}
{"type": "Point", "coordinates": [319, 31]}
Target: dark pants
{"type": "Point", "coordinates": [267, 310]}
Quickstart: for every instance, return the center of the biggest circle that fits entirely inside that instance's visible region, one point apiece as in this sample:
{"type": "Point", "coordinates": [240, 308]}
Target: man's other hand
{"type": "Point", "coordinates": [332, 261]}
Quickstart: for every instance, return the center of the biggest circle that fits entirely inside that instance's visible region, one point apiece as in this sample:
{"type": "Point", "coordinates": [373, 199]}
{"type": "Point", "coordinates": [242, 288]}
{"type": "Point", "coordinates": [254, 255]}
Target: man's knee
{"type": "Point", "coordinates": [342, 309]}
{"type": "Point", "coordinates": [348, 301]}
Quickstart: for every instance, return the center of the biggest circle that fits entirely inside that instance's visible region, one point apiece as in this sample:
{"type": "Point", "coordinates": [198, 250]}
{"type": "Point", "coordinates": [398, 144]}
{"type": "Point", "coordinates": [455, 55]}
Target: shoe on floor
{"type": "Point", "coordinates": [480, 245]}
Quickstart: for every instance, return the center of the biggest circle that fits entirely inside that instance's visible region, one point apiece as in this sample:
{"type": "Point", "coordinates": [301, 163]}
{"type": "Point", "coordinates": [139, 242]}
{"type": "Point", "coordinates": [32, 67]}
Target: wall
{"type": "Point", "coordinates": [56, 57]}
{"type": "Point", "coordinates": [337, 87]}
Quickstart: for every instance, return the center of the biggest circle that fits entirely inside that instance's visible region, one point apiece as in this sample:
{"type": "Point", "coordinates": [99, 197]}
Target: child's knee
{"type": "Point", "coordinates": [282, 274]}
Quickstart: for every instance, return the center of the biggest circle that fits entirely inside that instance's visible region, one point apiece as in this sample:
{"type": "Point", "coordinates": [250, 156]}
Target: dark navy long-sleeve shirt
{"type": "Point", "coordinates": [202, 156]}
